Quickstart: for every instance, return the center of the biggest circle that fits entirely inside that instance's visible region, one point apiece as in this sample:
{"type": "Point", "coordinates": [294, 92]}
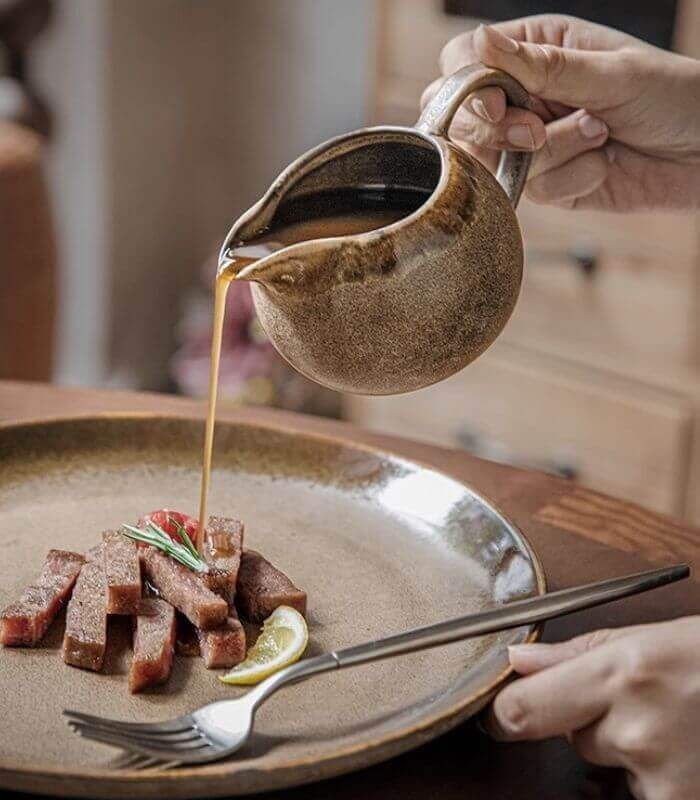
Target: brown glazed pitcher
{"type": "Point", "coordinates": [409, 304]}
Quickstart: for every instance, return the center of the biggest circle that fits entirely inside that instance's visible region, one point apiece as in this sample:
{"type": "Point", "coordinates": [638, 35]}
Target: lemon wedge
{"type": "Point", "coordinates": [282, 641]}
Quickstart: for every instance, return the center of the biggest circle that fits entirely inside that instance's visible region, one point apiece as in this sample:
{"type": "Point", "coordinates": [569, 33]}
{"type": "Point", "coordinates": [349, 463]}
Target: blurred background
{"type": "Point", "coordinates": [134, 132]}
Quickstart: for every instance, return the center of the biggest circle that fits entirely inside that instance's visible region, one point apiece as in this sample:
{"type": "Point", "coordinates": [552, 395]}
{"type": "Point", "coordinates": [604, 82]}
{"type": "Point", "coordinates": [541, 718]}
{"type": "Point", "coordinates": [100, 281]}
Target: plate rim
{"type": "Point", "coordinates": [198, 781]}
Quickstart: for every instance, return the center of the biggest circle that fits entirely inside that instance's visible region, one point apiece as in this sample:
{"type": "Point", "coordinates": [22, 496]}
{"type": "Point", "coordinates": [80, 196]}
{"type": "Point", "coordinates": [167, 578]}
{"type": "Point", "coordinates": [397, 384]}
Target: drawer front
{"type": "Point", "coordinates": [591, 299]}
{"type": "Point", "coordinates": [531, 410]}
{"type": "Point", "coordinates": [648, 235]}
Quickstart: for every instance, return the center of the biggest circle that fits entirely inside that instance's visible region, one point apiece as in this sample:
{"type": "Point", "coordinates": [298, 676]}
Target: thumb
{"type": "Point", "coordinates": [579, 78]}
{"type": "Point", "coordinates": [529, 658]}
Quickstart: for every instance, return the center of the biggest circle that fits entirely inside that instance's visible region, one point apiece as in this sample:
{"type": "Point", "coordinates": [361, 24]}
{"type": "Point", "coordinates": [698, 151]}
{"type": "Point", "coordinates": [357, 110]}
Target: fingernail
{"type": "Point", "coordinates": [520, 136]}
{"type": "Point", "coordinates": [519, 651]}
{"type": "Point", "coordinates": [500, 41]}
{"type": "Point", "coordinates": [479, 108]}
{"type": "Point", "coordinates": [592, 127]}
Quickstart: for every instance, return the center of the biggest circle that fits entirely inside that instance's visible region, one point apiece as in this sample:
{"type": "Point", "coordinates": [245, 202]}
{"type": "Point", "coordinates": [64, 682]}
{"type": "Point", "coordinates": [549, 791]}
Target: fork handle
{"type": "Point", "coordinates": [512, 615]}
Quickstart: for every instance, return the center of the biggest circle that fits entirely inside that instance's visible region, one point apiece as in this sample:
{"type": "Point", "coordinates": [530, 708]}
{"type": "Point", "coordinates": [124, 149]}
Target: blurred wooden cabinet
{"type": "Point", "coordinates": [597, 376]}
{"type": "Point", "coordinates": [28, 264]}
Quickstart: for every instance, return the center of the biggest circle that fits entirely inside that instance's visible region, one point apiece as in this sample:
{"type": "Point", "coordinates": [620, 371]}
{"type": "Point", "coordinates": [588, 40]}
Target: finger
{"type": "Point", "coordinates": [567, 138]}
{"type": "Point", "coordinates": [486, 155]}
{"type": "Point", "coordinates": [458, 53]}
{"type": "Point", "coordinates": [636, 787]}
{"type": "Point", "coordinates": [527, 659]}
{"type": "Point", "coordinates": [618, 740]}
{"type": "Point", "coordinates": [461, 50]}
{"type": "Point", "coordinates": [576, 178]}
{"type": "Point", "coordinates": [594, 745]}
{"type": "Point", "coordinates": [584, 78]}
{"type": "Point", "coordinates": [566, 697]}
{"type": "Point", "coordinates": [518, 130]}
{"type": "Point", "coordinates": [630, 189]}
{"type": "Point", "coordinates": [488, 104]}
{"type": "Point", "coordinates": [509, 127]}
{"type": "Point", "coordinates": [430, 91]}
{"type": "Point", "coordinates": [539, 29]}
{"type": "Point", "coordinates": [554, 109]}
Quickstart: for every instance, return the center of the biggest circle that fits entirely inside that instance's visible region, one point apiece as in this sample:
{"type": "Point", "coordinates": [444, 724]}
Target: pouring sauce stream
{"type": "Point", "coordinates": [320, 216]}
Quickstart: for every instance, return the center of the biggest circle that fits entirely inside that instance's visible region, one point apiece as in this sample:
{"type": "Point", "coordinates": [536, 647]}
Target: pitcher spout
{"type": "Point", "coordinates": [239, 261]}
{"type": "Point", "coordinates": [358, 160]}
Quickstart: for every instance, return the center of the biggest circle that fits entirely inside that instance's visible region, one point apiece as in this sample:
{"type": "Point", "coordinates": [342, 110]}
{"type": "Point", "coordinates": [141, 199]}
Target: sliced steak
{"type": "Point", "coordinates": [262, 588]}
{"type": "Point", "coordinates": [223, 545]}
{"type": "Point", "coordinates": [223, 646]}
{"type": "Point", "coordinates": [122, 573]}
{"type": "Point", "coordinates": [183, 589]}
{"type": "Point", "coordinates": [94, 553]}
{"type": "Point", "coordinates": [186, 639]}
{"type": "Point", "coordinates": [154, 644]}
{"type": "Point", "coordinates": [24, 622]}
{"type": "Point", "coordinates": [85, 639]}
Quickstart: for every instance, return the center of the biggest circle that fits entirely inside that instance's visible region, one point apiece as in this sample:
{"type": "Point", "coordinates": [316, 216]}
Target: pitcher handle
{"type": "Point", "coordinates": [437, 116]}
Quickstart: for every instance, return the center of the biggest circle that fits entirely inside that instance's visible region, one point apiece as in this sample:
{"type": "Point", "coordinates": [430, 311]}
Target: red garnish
{"type": "Point", "coordinates": [170, 522]}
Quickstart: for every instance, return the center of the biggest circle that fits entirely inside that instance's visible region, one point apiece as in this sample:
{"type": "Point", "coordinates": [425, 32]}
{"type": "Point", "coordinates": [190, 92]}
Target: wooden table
{"type": "Point", "coordinates": [579, 535]}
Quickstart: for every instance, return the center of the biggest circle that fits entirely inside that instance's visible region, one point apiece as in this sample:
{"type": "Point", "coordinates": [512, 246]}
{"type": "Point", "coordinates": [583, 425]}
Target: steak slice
{"type": "Point", "coordinates": [24, 622]}
{"type": "Point", "coordinates": [122, 573]}
{"type": "Point", "coordinates": [154, 644]}
{"type": "Point", "coordinates": [183, 589]}
{"type": "Point", "coordinates": [223, 646]}
{"type": "Point", "coordinates": [186, 639]}
{"type": "Point", "coordinates": [262, 588]}
{"type": "Point", "coordinates": [223, 545]}
{"type": "Point", "coordinates": [94, 553]}
{"type": "Point", "coordinates": [85, 639]}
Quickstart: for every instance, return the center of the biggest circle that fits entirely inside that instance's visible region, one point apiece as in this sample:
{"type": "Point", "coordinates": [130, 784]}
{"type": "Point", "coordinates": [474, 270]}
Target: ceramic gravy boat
{"type": "Point", "coordinates": [406, 305]}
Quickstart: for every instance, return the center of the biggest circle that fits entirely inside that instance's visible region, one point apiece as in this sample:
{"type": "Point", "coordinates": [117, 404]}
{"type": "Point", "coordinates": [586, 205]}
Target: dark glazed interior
{"type": "Point", "coordinates": [403, 173]}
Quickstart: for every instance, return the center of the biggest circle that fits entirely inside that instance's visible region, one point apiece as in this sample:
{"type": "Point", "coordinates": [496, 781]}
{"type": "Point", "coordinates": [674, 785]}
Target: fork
{"type": "Point", "coordinates": [221, 728]}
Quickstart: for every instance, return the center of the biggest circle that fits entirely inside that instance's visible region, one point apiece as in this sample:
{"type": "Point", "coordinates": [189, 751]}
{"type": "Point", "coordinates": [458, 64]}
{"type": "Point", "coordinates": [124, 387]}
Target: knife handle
{"type": "Point", "coordinates": [511, 615]}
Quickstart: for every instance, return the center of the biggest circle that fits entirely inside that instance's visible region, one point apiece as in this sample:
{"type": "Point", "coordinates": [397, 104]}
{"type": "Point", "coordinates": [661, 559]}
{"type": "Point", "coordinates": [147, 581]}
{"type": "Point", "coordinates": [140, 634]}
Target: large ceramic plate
{"type": "Point", "coordinates": [380, 544]}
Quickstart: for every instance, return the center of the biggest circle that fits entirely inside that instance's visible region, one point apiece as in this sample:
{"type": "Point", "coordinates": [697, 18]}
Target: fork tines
{"type": "Point", "coordinates": [176, 741]}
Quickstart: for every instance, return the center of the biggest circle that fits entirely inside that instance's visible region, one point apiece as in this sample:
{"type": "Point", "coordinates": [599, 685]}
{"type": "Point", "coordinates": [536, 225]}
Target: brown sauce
{"type": "Point", "coordinates": [319, 216]}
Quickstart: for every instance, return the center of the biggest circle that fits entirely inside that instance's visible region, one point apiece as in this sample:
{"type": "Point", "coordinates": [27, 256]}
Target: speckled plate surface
{"type": "Point", "coordinates": [380, 544]}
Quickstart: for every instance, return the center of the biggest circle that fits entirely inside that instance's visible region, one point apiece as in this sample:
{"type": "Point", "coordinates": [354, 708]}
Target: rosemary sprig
{"type": "Point", "coordinates": [182, 533]}
{"type": "Point", "coordinates": [154, 535]}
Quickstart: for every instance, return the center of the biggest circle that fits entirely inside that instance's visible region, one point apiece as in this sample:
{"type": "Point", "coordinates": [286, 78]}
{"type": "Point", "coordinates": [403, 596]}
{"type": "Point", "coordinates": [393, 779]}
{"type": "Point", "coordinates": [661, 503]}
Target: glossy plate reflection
{"type": "Point", "coordinates": [381, 544]}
